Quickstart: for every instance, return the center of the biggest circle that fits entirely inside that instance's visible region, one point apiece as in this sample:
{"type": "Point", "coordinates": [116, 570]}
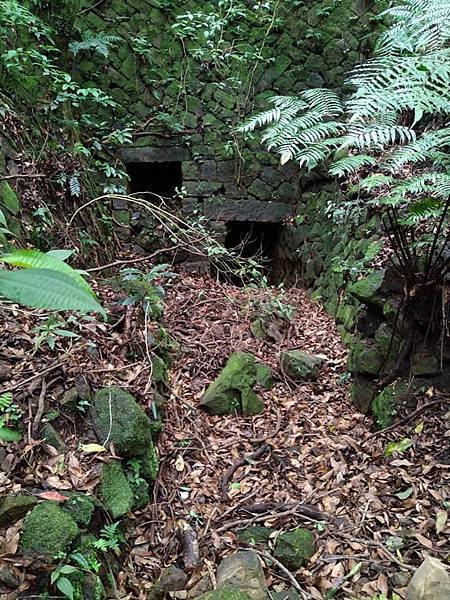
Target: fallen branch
{"type": "Point", "coordinates": [24, 176]}
{"type": "Point", "coordinates": [304, 509]}
{"type": "Point", "coordinates": [282, 568]}
{"type": "Point", "coordinates": [235, 466]}
{"type": "Point", "coordinates": [40, 410]}
{"type": "Point", "coordinates": [189, 542]}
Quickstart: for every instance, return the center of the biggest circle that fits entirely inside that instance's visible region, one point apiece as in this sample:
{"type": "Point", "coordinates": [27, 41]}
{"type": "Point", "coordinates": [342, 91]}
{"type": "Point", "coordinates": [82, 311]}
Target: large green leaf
{"type": "Point", "coordinates": [34, 259]}
{"type": "Point", "coordinates": [45, 288]}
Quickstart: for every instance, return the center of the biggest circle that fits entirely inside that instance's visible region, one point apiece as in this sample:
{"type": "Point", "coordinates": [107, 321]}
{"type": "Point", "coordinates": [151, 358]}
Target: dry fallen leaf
{"type": "Point", "coordinates": [52, 496]}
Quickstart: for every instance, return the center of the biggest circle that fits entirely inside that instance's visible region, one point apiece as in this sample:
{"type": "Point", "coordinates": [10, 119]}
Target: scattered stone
{"type": "Point", "coordinates": [256, 535]}
{"type": "Point", "coordinates": [14, 508]}
{"type": "Point", "coordinates": [431, 581]}
{"type": "Point", "coordinates": [233, 389]}
{"type": "Point", "coordinates": [202, 587]}
{"type": "Point", "coordinates": [242, 571]}
{"type": "Point", "coordinates": [173, 579]}
{"type": "Point", "coordinates": [295, 548]}
{"type": "Point", "coordinates": [48, 529]}
{"type": "Point", "coordinates": [52, 437]}
{"type": "Point", "coordinates": [115, 491]}
{"type": "Point", "coordinates": [362, 393]}
{"type": "Point", "coordinates": [258, 328]}
{"type": "Point", "coordinates": [226, 593]}
{"type": "Point", "coordinates": [118, 418]}
{"type": "Point", "coordinates": [149, 464]}
{"type": "Point", "coordinates": [264, 376]}
{"type": "Point", "coordinates": [300, 366]}
{"type": "Point", "coordinates": [80, 507]}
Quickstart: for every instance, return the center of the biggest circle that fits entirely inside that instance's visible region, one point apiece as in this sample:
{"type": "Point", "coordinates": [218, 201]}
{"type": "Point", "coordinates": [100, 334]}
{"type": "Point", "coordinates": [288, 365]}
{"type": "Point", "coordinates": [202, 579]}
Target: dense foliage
{"type": "Point", "coordinates": [390, 135]}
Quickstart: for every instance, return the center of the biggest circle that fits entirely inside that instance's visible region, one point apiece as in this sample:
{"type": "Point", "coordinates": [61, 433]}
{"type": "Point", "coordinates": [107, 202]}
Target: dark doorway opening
{"type": "Point", "coordinates": [257, 241]}
{"type": "Point", "coordinates": [162, 178]}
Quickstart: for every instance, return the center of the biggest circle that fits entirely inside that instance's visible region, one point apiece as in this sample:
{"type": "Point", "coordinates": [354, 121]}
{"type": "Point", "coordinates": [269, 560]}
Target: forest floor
{"type": "Point", "coordinates": [318, 462]}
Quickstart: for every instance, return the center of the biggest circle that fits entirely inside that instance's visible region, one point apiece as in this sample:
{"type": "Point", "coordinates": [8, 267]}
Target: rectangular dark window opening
{"type": "Point", "coordinates": [161, 178]}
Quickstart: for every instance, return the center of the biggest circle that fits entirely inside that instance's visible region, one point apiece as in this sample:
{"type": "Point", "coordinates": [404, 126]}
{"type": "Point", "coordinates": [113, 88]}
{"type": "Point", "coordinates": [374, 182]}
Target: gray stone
{"type": "Point", "coordinates": [300, 365]}
{"type": "Point", "coordinates": [285, 193]}
{"type": "Point", "coordinates": [243, 571]}
{"type": "Point", "coordinates": [260, 189]}
{"type": "Point", "coordinates": [430, 582]}
{"type": "Point", "coordinates": [136, 154]}
{"type": "Point", "coordinates": [173, 579]}
{"type": "Point", "coordinates": [246, 210]}
{"type": "Point", "coordinates": [52, 437]}
{"type": "Point", "coordinates": [14, 508]}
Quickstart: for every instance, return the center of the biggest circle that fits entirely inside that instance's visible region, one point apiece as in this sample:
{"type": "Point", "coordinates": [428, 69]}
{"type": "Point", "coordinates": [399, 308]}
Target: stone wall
{"type": "Point", "coordinates": [181, 96]}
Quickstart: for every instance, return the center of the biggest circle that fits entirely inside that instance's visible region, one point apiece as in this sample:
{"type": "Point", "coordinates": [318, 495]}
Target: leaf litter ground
{"type": "Point", "coordinates": [374, 517]}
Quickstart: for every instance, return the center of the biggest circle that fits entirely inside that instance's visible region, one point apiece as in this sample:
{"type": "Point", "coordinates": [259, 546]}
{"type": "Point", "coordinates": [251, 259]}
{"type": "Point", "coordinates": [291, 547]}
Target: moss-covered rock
{"type": "Point", "coordinates": [384, 406]}
{"type": "Point", "coordinates": [365, 358]}
{"type": "Point", "coordinates": [115, 490]}
{"type": "Point", "coordinates": [256, 535]}
{"type": "Point", "coordinates": [300, 366]}
{"type": "Point", "coordinates": [14, 508]}
{"type": "Point", "coordinates": [264, 376]}
{"type": "Point", "coordinates": [52, 437]}
{"type": "Point", "coordinates": [149, 464]}
{"type": "Point", "coordinates": [48, 529]}
{"type": "Point", "coordinates": [140, 489]}
{"type": "Point", "coordinates": [233, 389]}
{"type": "Point", "coordinates": [119, 419]}
{"type": "Point", "coordinates": [295, 548]}
{"type": "Point", "coordinates": [426, 363]}
{"type": "Point", "coordinates": [225, 593]}
{"type": "Point", "coordinates": [362, 392]}
{"type": "Point", "coordinates": [368, 290]}
{"type": "Point", "coordinates": [80, 507]}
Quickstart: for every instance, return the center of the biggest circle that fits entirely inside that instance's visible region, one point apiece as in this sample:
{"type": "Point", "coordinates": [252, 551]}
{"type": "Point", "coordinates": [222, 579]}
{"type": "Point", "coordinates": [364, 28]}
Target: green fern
{"type": "Point", "coordinates": [96, 42]}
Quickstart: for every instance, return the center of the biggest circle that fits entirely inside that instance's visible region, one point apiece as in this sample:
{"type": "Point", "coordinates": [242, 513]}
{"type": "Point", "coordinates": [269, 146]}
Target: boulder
{"type": "Point", "coordinates": [300, 366]}
{"type": "Point", "coordinates": [48, 529]}
{"type": "Point", "coordinates": [14, 508]}
{"type": "Point", "coordinates": [233, 389]}
{"type": "Point", "coordinates": [431, 581]}
{"type": "Point", "coordinates": [115, 491]}
{"type": "Point", "coordinates": [172, 579]}
{"type": "Point", "coordinates": [242, 571]}
{"type": "Point", "coordinates": [120, 420]}
{"type": "Point", "coordinates": [294, 548]}
{"type": "Point", "coordinates": [425, 363]}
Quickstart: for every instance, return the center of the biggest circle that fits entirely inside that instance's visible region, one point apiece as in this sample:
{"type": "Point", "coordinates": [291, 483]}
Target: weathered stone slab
{"type": "Point", "coordinates": [155, 154]}
{"type": "Point", "coordinates": [246, 210]}
{"type": "Point", "coordinates": [430, 582]}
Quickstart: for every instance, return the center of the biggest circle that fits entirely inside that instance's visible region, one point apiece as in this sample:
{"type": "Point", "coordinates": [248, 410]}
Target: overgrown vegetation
{"type": "Point", "coordinates": [387, 141]}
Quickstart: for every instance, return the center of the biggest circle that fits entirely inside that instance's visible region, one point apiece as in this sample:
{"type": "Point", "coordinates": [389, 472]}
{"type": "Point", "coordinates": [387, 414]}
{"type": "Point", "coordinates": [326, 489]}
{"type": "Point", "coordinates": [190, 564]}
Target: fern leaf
{"type": "Point", "coordinates": [351, 164]}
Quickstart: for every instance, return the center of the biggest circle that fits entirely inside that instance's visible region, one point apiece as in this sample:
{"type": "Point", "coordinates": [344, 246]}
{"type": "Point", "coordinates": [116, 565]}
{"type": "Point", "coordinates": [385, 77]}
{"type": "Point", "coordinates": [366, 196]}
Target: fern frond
{"type": "Point", "coordinates": [351, 164]}
{"type": "Point", "coordinates": [420, 149]}
{"type": "Point", "coordinates": [97, 42]}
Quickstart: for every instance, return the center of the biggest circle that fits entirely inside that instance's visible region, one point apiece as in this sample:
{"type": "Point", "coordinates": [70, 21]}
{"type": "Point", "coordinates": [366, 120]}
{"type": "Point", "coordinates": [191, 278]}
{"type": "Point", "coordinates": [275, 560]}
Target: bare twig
{"type": "Point", "coordinates": [235, 466]}
{"type": "Point", "coordinates": [282, 568]}
{"type": "Point", "coordinates": [40, 410]}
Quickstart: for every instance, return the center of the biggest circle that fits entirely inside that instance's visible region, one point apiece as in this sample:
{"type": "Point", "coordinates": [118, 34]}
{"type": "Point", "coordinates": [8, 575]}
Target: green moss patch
{"type": "Point", "coordinates": [115, 490]}
{"type": "Point", "coordinates": [48, 529]}
{"type": "Point", "coordinates": [295, 548]}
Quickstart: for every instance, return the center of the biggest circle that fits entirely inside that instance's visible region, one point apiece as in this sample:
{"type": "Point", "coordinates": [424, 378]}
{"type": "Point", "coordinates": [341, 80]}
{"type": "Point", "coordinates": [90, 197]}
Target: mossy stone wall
{"type": "Point", "coordinates": [185, 91]}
